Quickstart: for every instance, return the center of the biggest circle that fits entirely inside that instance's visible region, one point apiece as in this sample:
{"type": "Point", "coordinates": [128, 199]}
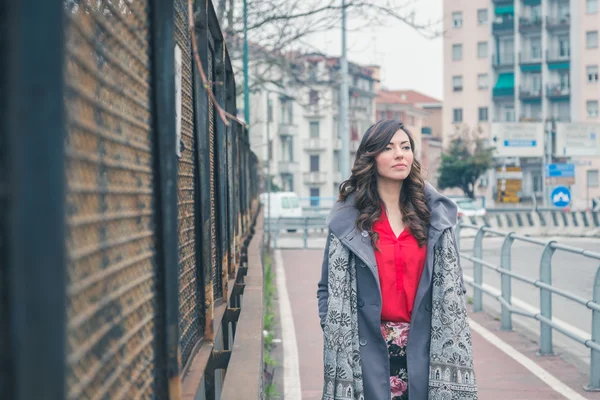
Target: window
{"type": "Point", "coordinates": [457, 19]}
{"type": "Point", "coordinates": [592, 73]}
{"type": "Point", "coordinates": [483, 114]}
{"type": "Point", "coordinates": [591, 6]}
{"type": "Point", "coordinates": [592, 108]}
{"type": "Point", "coordinates": [536, 13]}
{"type": "Point", "coordinates": [314, 163]}
{"type": "Point", "coordinates": [536, 48]}
{"type": "Point", "coordinates": [314, 197]}
{"type": "Point", "coordinates": [482, 49]}
{"type": "Point", "coordinates": [313, 97]}
{"type": "Point", "coordinates": [382, 115]}
{"type": "Point", "coordinates": [457, 115]}
{"type": "Point", "coordinates": [314, 129]}
{"type": "Point", "coordinates": [482, 16]}
{"type": "Point", "coordinates": [536, 82]}
{"type": "Point", "coordinates": [482, 81]}
{"type": "Point", "coordinates": [336, 161]}
{"type": "Point", "coordinates": [563, 9]}
{"type": "Point", "coordinates": [593, 178]}
{"type": "Point", "coordinates": [563, 77]}
{"type": "Point", "coordinates": [283, 110]}
{"type": "Point", "coordinates": [508, 112]}
{"type": "Point", "coordinates": [591, 39]}
{"type": "Point", "coordinates": [537, 183]}
{"type": "Point", "coordinates": [457, 52]}
{"type": "Point", "coordinates": [564, 46]}
{"type": "Point", "coordinates": [457, 83]}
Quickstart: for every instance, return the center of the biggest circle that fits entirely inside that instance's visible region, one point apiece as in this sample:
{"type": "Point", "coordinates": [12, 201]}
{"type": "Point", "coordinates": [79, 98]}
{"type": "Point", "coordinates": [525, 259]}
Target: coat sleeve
{"type": "Point", "coordinates": [322, 291]}
{"type": "Point", "coordinates": [462, 281]}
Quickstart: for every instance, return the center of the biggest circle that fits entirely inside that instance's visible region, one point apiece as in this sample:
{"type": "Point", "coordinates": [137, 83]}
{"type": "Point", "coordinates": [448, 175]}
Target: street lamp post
{"type": "Point", "coordinates": [269, 118]}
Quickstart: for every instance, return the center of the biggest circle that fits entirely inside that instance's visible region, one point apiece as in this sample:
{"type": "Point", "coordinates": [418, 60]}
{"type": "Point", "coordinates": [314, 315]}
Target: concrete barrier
{"type": "Point", "coordinates": [539, 222]}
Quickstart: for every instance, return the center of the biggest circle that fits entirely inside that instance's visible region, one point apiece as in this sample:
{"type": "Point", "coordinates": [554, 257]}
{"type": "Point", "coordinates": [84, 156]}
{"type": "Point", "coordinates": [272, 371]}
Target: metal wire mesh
{"type": "Point", "coordinates": [215, 264]}
{"type": "Point", "coordinates": [4, 206]}
{"type": "Point", "coordinates": [111, 243]}
{"type": "Point", "coordinates": [191, 317]}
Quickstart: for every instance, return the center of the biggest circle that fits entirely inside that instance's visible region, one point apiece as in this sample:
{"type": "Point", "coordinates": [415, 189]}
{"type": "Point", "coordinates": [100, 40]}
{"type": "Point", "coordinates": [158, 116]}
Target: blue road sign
{"type": "Point", "coordinates": [520, 143]}
{"type": "Point", "coordinates": [561, 196]}
{"type": "Point", "coordinates": [560, 170]}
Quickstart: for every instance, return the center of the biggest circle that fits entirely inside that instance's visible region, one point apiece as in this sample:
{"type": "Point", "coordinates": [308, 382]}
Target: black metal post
{"type": "Point", "coordinates": [35, 191]}
{"type": "Point", "coordinates": [163, 86]}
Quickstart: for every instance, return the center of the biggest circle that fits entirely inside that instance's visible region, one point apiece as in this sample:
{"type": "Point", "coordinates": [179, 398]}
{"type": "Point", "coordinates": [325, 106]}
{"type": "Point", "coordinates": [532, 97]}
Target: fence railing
{"type": "Point", "coordinates": [127, 203]}
{"type": "Point", "coordinates": [543, 282]}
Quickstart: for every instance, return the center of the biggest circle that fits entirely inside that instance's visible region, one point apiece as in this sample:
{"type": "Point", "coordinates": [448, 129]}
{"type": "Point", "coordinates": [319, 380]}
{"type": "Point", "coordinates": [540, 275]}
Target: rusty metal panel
{"type": "Point", "coordinates": [191, 311]}
{"type": "Point", "coordinates": [112, 310]}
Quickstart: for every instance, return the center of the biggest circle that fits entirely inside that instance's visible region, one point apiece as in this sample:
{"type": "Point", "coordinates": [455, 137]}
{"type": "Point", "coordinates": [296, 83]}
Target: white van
{"type": "Point", "coordinates": [283, 204]}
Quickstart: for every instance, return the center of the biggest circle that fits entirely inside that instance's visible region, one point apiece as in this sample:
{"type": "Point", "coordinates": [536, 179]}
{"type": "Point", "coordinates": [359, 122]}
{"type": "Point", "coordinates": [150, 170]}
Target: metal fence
{"type": "Point", "coordinates": [544, 283]}
{"type": "Point", "coordinates": [103, 219]}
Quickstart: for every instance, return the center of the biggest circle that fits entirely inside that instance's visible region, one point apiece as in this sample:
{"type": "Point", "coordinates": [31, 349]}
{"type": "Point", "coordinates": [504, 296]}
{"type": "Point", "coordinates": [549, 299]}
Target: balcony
{"type": "Point", "coordinates": [503, 25]}
{"type": "Point", "coordinates": [287, 129]}
{"type": "Point", "coordinates": [558, 56]}
{"type": "Point", "coordinates": [315, 178]}
{"type": "Point", "coordinates": [530, 24]}
{"type": "Point", "coordinates": [337, 144]}
{"type": "Point", "coordinates": [503, 60]}
{"type": "Point", "coordinates": [288, 167]}
{"type": "Point", "coordinates": [315, 144]}
{"type": "Point", "coordinates": [529, 94]}
{"type": "Point", "coordinates": [354, 144]}
{"type": "Point", "coordinates": [337, 177]}
{"type": "Point", "coordinates": [313, 111]}
{"type": "Point", "coordinates": [557, 92]}
{"type": "Point", "coordinates": [530, 62]}
{"type": "Point", "coordinates": [555, 23]}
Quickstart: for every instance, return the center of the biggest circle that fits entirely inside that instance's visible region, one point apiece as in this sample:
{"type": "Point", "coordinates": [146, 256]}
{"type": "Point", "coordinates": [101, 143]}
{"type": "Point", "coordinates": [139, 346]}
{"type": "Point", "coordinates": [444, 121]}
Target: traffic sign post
{"type": "Point", "coordinates": [561, 196]}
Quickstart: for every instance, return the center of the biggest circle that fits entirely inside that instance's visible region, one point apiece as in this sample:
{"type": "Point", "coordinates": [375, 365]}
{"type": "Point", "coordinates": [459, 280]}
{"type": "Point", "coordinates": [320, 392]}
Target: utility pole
{"type": "Point", "coordinates": [547, 161]}
{"type": "Point", "coordinates": [246, 84]}
{"type": "Point", "coordinates": [343, 122]}
{"type": "Point", "coordinates": [269, 118]}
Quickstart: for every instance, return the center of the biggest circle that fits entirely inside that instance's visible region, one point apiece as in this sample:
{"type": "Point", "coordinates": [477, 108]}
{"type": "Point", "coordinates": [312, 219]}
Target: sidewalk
{"type": "Point", "coordinates": [499, 375]}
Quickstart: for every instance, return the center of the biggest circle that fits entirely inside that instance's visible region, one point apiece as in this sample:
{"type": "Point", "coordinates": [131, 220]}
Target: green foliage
{"type": "Point", "coordinates": [269, 288]}
{"type": "Point", "coordinates": [465, 160]}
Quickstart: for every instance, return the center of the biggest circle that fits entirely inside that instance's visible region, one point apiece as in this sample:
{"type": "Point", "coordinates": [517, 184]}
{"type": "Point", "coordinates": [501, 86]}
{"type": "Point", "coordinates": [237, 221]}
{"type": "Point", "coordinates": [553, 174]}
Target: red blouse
{"type": "Point", "coordinates": [400, 263]}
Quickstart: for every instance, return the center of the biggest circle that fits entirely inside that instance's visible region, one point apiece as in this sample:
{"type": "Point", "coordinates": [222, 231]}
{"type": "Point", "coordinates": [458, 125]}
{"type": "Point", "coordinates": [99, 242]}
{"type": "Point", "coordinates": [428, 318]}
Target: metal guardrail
{"type": "Point", "coordinates": [306, 225]}
{"type": "Point", "coordinates": [544, 283]}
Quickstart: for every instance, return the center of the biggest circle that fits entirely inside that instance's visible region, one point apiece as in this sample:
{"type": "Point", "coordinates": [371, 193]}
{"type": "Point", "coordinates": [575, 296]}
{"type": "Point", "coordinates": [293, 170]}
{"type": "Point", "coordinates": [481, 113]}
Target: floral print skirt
{"type": "Point", "coordinates": [396, 337]}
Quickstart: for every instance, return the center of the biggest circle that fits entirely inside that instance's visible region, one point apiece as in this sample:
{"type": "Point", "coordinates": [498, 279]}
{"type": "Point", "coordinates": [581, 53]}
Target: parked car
{"type": "Point", "coordinates": [468, 207]}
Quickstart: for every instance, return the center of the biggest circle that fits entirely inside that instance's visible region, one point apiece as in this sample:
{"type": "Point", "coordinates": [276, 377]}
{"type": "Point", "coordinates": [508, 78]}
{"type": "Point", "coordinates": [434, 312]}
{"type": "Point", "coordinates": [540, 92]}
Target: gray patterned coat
{"type": "Point", "coordinates": [373, 350]}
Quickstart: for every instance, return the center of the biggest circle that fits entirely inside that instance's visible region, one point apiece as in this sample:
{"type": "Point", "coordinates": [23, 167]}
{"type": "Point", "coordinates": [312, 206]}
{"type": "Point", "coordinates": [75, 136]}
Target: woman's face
{"type": "Point", "coordinates": [395, 161]}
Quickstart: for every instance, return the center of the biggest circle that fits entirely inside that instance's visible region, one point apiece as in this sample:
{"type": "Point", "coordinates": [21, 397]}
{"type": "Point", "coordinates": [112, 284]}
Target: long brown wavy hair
{"type": "Point", "coordinates": [363, 182]}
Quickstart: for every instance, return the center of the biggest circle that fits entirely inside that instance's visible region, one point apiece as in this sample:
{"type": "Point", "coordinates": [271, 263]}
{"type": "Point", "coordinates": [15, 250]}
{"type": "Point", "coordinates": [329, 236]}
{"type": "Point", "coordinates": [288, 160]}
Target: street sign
{"type": "Point", "coordinates": [561, 196]}
{"type": "Point", "coordinates": [561, 181]}
{"type": "Point", "coordinates": [560, 170]}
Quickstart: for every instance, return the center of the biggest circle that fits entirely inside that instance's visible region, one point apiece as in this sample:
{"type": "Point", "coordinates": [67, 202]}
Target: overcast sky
{"type": "Point", "coordinates": [408, 60]}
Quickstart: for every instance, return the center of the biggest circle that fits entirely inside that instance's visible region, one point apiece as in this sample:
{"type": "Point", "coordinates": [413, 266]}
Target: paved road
{"type": "Point", "coordinates": [570, 272]}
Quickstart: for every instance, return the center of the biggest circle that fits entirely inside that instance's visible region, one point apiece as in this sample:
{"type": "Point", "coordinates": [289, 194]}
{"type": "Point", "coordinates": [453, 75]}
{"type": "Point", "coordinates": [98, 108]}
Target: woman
{"type": "Point", "coordinates": [391, 295]}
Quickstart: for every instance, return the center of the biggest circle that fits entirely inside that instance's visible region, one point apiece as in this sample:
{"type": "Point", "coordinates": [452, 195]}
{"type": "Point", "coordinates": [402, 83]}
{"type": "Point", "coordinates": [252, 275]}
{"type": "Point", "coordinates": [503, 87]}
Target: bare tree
{"type": "Point", "coordinates": [278, 29]}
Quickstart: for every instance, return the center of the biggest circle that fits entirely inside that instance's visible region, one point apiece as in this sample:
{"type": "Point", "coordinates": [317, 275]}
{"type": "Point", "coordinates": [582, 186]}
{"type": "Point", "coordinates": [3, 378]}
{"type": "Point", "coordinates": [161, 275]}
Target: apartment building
{"type": "Point", "coordinates": [295, 124]}
{"type": "Point", "coordinates": [512, 66]}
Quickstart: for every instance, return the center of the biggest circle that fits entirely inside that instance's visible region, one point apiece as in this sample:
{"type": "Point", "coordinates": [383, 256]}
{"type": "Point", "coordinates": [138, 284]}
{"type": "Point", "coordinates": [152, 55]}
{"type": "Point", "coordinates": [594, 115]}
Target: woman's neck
{"type": "Point", "coordinates": [389, 192]}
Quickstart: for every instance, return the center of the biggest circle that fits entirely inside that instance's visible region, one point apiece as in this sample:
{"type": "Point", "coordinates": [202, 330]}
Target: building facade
{"type": "Point", "coordinates": [294, 125]}
{"type": "Point", "coordinates": [523, 73]}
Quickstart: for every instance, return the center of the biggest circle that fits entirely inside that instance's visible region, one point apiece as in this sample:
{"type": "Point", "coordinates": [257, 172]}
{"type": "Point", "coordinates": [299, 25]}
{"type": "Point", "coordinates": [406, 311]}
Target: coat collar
{"type": "Point", "coordinates": [343, 216]}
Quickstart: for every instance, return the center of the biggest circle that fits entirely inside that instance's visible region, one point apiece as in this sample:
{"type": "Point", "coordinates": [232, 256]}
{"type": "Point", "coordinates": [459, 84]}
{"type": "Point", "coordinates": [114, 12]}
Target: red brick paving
{"type": "Point", "coordinates": [498, 375]}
